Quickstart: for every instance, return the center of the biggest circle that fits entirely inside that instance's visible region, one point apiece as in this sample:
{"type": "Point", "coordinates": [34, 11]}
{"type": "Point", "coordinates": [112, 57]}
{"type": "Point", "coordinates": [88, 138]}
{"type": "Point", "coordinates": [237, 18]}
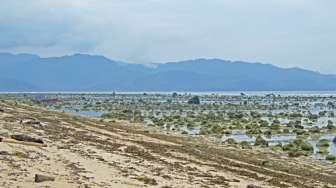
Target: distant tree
{"type": "Point", "coordinates": [331, 104]}
{"type": "Point", "coordinates": [263, 123]}
{"type": "Point", "coordinates": [330, 124]}
{"type": "Point", "coordinates": [194, 100]}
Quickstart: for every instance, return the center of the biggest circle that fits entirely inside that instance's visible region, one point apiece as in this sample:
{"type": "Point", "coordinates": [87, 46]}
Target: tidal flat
{"type": "Point", "coordinates": [169, 139]}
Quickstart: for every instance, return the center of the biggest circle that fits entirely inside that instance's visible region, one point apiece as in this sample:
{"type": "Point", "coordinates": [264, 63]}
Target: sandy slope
{"type": "Point", "coordinates": [87, 152]}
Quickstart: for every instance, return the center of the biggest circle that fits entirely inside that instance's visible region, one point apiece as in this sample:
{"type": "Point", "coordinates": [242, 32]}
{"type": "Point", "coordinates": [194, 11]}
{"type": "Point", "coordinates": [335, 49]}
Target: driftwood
{"type": "Point", "coordinates": [10, 141]}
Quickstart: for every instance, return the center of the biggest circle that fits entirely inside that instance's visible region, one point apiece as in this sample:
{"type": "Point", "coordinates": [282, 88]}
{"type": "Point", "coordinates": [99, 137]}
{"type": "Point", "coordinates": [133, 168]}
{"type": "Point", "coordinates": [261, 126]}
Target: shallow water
{"type": "Point", "coordinates": [155, 107]}
{"type": "Point", "coordinates": [273, 140]}
{"type": "Point", "coordinates": [284, 139]}
{"type": "Point", "coordinates": [86, 113]}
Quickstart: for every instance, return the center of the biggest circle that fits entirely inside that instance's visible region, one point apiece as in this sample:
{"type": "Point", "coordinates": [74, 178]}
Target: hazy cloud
{"type": "Point", "coordinates": [282, 32]}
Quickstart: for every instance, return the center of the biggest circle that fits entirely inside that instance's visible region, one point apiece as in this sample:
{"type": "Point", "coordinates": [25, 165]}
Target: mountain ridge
{"type": "Point", "coordinates": [83, 72]}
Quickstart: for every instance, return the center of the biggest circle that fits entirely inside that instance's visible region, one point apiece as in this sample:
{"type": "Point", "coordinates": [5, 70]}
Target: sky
{"type": "Point", "coordinates": [286, 33]}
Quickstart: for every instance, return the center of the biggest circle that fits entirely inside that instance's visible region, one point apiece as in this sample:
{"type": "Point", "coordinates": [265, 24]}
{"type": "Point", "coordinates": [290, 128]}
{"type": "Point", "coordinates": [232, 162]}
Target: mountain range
{"type": "Point", "coordinates": [81, 72]}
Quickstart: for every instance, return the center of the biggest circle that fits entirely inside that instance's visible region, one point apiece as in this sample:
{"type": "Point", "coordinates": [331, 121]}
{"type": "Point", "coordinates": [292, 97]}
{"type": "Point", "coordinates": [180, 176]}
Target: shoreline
{"type": "Point", "coordinates": [134, 156]}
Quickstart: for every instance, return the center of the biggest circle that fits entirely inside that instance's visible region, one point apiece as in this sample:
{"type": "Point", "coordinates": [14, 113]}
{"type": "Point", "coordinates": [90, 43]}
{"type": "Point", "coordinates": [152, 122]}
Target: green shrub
{"type": "Point", "coordinates": [331, 157]}
{"type": "Point", "coordinates": [260, 141]}
{"type": "Point", "coordinates": [323, 143]}
{"type": "Point", "coordinates": [288, 147]}
{"type": "Point", "coordinates": [286, 131]}
{"type": "Point", "coordinates": [307, 147]}
{"type": "Point", "coordinates": [323, 151]}
{"type": "Point", "coordinates": [231, 141]}
{"type": "Point", "coordinates": [246, 145]}
{"type": "Point", "coordinates": [295, 153]}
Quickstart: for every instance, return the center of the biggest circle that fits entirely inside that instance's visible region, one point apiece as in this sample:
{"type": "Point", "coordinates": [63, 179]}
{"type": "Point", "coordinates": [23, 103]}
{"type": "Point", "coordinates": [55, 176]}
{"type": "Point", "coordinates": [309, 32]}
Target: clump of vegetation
{"type": "Point", "coordinates": [216, 115]}
{"type": "Point", "coordinates": [246, 145]}
{"type": "Point", "coordinates": [147, 180]}
{"type": "Point", "coordinates": [194, 100]}
{"type": "Point", "coordinates": [307, 147]}
{"type": "Point", "coordinates": [323, 151]}
{"type": "Point", "coordinates": [330, 125]}
{"type": "Point", "coordinates": [295, 153]}
{"type": "Point", "coordinates": [231, 141]}
{"type": "Point", "coordinates": [300, 131]}
{"type": "Point", "coordinates": [331, 157]}
{"type": "Point", "coordinates": [323, 143]}
{"type": "Point", "coordinates": [216, 129]}
{"type": "Point", "coordinates": [275, 125]}
{"type": "Point", "coordinates": [286, 131]}
{"type": "Point", "coordinates": [20, 154]}
{"type": "Point", "coordinates": [260, 141]}
{"type": "Point", "coordinates": [254, 131]}
{"type": "Point", "coordinates": [298, 148]}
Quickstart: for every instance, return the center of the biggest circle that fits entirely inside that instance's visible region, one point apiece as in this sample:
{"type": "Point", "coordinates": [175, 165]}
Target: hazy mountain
{"type": "Point", "coordinates": [79, 72]}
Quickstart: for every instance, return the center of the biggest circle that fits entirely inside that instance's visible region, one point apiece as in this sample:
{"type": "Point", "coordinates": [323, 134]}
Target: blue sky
{"type": "Point", "coordinates": [287, 33]}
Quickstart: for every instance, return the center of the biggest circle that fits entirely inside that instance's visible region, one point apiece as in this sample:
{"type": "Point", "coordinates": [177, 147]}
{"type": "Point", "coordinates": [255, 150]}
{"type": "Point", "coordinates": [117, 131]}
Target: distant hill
{"type": "Point", "coordinates": [80, 72]}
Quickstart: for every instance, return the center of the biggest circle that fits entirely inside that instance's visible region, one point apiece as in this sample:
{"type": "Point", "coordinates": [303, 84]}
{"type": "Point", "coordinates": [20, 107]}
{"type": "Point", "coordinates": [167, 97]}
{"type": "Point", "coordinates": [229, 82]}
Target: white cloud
{"type": "Point", "coordinates": [283, 32]}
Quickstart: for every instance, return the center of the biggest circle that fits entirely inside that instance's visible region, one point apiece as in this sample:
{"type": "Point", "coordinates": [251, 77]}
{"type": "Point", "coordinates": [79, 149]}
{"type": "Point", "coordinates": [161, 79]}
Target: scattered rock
{"type": "Point", "coordinates": [32, 122]}
{"type": "Point", "coordinates": [267, 163]}
{"type": "Point", "coordinates": [147, 180]}
{"type": "Point", "coordinates": [1, 139]}
{"type": "Point", "coordinates": [42, 178]}
{"type": "Point", "coordinates": [1, 110]}
{"type": "Point", "coordinates": [26, 138]}
{"type": "Point", "coordinates": [4, 153]}
{"type": "Point", "coordinates": [167, 177]}
{"type": "Point", "coordinates": [235, 180]}
{"type": "Point", "coordinates": [328, 186]}
{"type": "Point", "coordinates": [253, 186]}
{"type": "Point", "coordinates": [220, 180]}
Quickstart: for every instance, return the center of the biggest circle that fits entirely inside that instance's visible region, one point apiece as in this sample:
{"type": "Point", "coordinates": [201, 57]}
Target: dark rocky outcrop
{"type": "Point", "coordinates": [32, 122]}
{"type": "Point", "coordinates": [26, 138]}
{"type": "Point", "coordinates": [42, 178]}
{"type": "Point", "coordinates": [4, 153]}
{"type": "Point", "coordinates": [147, 180]}
{"type": "Point", "coordinates": [267, 163]}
